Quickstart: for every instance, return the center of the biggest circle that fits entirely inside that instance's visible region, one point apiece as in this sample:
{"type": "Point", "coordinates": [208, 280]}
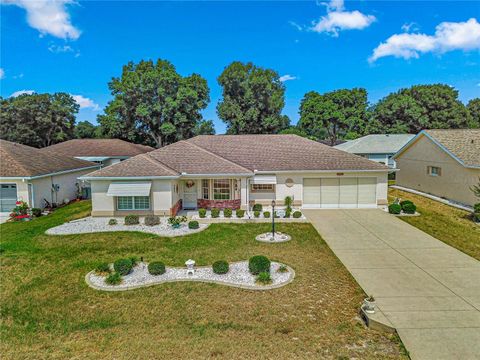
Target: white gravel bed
{"type": "Point", "coordinates": [100, 224]}
{"type": "Point", "coordinates": [268, 238]}
{"type": "Point", "coordinates": [237, 276]}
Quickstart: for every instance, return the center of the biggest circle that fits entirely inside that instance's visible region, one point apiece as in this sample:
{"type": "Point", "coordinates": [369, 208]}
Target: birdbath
{"type": "Point", "coordinates": [190, 264]}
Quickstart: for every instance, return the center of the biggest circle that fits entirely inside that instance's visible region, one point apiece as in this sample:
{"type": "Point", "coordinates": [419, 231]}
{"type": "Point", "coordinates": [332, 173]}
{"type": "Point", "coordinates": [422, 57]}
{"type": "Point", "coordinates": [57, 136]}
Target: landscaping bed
{"type": "Point", "coordinates": [101, 224]}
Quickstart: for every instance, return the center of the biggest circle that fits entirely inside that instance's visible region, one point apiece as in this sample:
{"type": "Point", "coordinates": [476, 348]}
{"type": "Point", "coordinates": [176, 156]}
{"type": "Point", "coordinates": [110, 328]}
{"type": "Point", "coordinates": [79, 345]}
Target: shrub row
{"type": "Point", "coordinates": [239, 213]}
{"type": "Point", "coordinates": [407, 206]}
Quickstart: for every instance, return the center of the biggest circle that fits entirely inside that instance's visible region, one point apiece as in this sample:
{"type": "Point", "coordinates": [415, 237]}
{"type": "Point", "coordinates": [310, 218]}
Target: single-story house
{"type": "Point", "coordinates": [445, 163]}
{"type": "Point", "coordinates": [377, 147]}
{"type": "Point", "coordinates": [237, 171]}
{"type": "Point", "coordinates": [102, 151]}
{"type": "Point", "coordinates": [33, 176]}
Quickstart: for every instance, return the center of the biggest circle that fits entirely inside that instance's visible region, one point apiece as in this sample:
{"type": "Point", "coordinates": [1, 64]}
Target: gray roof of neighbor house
{"type": "Point", "coordinates": [98, 147]}
{"type": "Point", "coordinates": [462, 144]}
{"type": "Point", "coordinates": [376, 144]}
{"type": "Point", "coordinates": [18, 160]}
{"type": "Point", "coordinates": [238, 154]}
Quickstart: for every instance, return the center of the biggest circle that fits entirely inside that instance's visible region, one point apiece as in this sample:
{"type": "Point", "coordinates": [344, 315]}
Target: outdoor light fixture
{"type": "Point", "coordinates": [273, 220]}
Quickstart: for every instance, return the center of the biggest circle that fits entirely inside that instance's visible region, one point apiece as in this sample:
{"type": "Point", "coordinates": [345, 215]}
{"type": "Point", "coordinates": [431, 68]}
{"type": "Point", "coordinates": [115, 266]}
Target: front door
{"type": "Point", "coordinates": [190, 194]}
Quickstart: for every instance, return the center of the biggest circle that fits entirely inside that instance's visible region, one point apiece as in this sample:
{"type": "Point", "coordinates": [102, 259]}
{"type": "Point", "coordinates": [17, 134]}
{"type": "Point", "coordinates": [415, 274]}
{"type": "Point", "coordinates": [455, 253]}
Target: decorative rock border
{"type": "Point", "coordinates": [268, 238]}
{"type": "Point", "coordinates": [90, 225]}
{"type": "Point", "coordinates": [237, 276]}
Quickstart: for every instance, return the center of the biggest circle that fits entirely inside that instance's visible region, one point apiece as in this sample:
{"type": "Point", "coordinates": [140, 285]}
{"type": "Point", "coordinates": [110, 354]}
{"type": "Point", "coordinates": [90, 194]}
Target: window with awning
{"type": "Point", "coordinates": [264, 179]}
{"type": "Point", "coordinates": [129, 189]}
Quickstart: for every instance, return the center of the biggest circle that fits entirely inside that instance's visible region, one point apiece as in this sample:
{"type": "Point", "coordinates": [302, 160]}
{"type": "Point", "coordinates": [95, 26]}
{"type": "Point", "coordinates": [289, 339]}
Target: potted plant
{"type": "Point", "coordinates": [176, 221]}
{"type": "Point", "coordinates": [369, 305]}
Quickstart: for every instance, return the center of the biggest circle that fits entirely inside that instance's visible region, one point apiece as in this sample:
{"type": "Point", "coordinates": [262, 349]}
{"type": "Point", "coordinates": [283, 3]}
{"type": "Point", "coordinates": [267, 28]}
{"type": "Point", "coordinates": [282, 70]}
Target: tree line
{"type": "Point", "coordinates": [153, 104]}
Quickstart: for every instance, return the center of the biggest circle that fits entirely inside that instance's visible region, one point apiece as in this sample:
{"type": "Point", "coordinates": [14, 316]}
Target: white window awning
{"type": "Point", "coordinates": [129, 189]}
{"type": "Point", "coordinates": [264, 179]}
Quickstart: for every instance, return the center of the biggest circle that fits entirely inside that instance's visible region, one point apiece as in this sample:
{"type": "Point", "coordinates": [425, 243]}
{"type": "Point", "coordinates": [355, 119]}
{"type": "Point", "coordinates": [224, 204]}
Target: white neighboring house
{"type": "Point", "coordinates": [237, 171]}
{"type": "Point", "coordinates": [30, 175]}
{"type": "Point", "coordinates": [378, 147]}
{"type": "Point", "coordinates": [102, 151]}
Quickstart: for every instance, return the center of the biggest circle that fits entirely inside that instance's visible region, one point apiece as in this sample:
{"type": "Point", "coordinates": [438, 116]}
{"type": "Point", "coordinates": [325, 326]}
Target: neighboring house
{"type": "Point", "coordinates": [445, 163]}
{"type": "Point", "coordinates": [236, 171]}
{"type": "Point", "coordinates": [102, 151]}
{"type": "Point", "coordinates": [28, 174]}
{"type": "Point", "coordinates": [379, 148]}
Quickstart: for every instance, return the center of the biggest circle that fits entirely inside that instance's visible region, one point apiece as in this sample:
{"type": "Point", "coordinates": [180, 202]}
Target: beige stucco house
{"type": "Point", "coordinates": [444, 163]}
{"type": "Point", "coordinates": [237, 171]}
{"type": "Point", "coordinates": [30, 175]}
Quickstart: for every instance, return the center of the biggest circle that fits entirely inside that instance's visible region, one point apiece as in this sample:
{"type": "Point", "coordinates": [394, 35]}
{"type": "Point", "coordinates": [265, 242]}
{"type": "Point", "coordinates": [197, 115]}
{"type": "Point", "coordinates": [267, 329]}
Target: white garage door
{"type": "Point", "coordinates": [8, 197]}
{"type": "Point", "coordinates": [332, 193]}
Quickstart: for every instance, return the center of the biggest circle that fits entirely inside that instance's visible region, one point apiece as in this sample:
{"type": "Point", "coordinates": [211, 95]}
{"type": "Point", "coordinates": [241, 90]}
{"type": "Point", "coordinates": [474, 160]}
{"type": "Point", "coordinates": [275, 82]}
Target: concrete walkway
{"type": "Point", "coordinates": [427, 290]}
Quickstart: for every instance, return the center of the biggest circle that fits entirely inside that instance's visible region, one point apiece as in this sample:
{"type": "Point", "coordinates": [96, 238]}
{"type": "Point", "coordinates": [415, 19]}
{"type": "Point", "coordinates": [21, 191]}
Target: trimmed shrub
{"type": "Point", "coordinates": [215, 212]}
{"type": "Point", "coordinates": [264, 278]}
{"type": "Point", "coordinates": [156, 268]}
{"type": "Point", "coordinates": [36, 212]}
{"type": "Point", "coordinates": [404, 202]}
{"type": "Point", "coordinates": [227, 213]}
{"type": "Point", "coordinates": [266, 214]}
{"type": "Point", "coordinates": [257, 207]}
{"type": "Point", "coordinates": [102, 268]}
{"type": "Point", "coordinates": [282, 269]}
{"type": "Point", "coordinates": [256, 214]}
{"type": "Point", "coordinates": [113, 279]}
{"type": "Point", "coordinates": [476, 208]}
{"type": "Point", "coordinates": [112, 222]}
{"type": "Point", "coordinates": [193, 224]}
{"type": "Point", "coordinates": [132, 220]}
{"type": "Point", "coordinates": [258, 264]}
{"type": "Point", "coordinates": [151, 220]}
{"type": "Point", "coordinates": [288, 213]}
{"type": "Point", "coordinates": [134, 260]}
{"type": "Point", "coordinates": [202, 213]}
{"type": "Point", "coordinates": [394, 209]}
{"type": "Point", "coordinates": [288, 201]}
{"type": "Point", "coordinates": [409, 208]}
{"type": "Point", "coordinates": [240, 213]}
{"type": "Point", "coordinates": [123, 266]}
{"type": "Point", "coordinates": [220, 267]}
{"type": "Point", "coordinates": [297, 214]}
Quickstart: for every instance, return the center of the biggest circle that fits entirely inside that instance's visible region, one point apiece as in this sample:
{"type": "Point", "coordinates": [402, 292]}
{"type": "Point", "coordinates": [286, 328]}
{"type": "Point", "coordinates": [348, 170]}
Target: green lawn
{"type": "Point", "coordinates": [48, 312]}
{"type": "Point", "coordinates": [446, 223]}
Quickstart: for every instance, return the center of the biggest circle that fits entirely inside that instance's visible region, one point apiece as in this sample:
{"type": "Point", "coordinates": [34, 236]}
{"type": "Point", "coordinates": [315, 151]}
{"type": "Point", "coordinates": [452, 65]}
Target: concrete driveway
{"type": "Point", "coordinates": [427, 290]}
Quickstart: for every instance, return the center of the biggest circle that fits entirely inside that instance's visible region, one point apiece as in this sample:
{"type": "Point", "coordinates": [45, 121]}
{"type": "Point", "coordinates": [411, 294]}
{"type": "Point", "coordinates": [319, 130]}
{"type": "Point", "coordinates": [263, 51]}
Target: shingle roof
{"type": "Point", "coordinates": [463, 143]}
{"type": "Point", "coordinates": [376, 144]}
{"type": "Point", "coordinates": [98, 147]}
{"type": "Point", "coordinates": [238, 154]}
{"type": "Point", "coordinates": [18, 160]}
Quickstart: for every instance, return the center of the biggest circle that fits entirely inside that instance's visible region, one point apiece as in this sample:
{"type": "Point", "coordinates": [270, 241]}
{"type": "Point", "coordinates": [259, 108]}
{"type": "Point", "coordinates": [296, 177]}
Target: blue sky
{"type": "Point", "coordinates": [77, 47]}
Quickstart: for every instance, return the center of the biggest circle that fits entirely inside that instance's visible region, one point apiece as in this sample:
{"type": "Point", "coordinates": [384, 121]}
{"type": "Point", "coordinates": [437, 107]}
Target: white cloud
{"type": "Point", "coordinates": [407, 27]}
{"type": "Point", "coordinates": [60, 49]}
{"type": "Point", "coordinates": [48, 17]}
{"type": "Point", "coordinates": [296, 26]}
{"type": "Point", "coordinates": [21, 92]}
{"type": "Point", "coordinates": [287, 77]}
{"type": "Point", "coordinates": [449, 36]}
{"type": "Point", "coordinates": [337, 19]}
{"type": "Point", "coordinates": [85, 102]}
{"type": "Point", "coordinates": [2, 73]}
{"type": "Point", "coordinates": [19, 76]}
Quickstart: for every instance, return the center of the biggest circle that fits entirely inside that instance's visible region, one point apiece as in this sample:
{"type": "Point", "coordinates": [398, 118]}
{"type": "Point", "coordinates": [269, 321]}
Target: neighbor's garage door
{"type": "Point", "coordinates": [340, 192]}
{"type": "Point", "coordinates": [8, 197]}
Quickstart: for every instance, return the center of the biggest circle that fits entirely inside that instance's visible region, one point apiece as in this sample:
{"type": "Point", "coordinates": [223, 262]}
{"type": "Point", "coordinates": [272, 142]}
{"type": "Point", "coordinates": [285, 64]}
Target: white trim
{"type": "Point", "coordinates": [47, 175]}
{"type": "Point", "coordinates": [423, 132]}
{"type": "Point", "coordinates": [132, 178]}
{"type": "Point", "coordinates": [324, 171]}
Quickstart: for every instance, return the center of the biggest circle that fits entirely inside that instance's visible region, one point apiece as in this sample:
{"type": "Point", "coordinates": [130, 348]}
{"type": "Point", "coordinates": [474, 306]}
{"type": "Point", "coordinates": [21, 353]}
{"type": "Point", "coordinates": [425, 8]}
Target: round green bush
{"type": "Point", "coordinates": [112, 222]}
{"type": "Point", "coordinates": [256, 214]}
{"type": "Point", "coordinates": [476, 208]}
{"type": "Point", "coordinates": [132, 220]}
{"type": "Point", "coordinates": [123, 266]}
{"type": "Point", "coordinates": [409, 208]}
{"type": "Point", "coordinates": [102, 268]}
{"type": "Point", "coordinates": [258, 264]}
{"type": "Point", "coordinates": [240, 213]}
{"type": "Point", "coordinates": [202, 213]}
{"type": "Point", "coordinates": [156, 268]}
{"type": "Point", "coordinates": [113, 279]}
{"type": "Point", "coordinates": [220, 267]}
{"type": "Point", "coordinates": [257, 207]}
{"type": "Point", "coordinates": [227, 213]}
{"type": "Point", "coordinates": [193, 224]}
{"type": "Point", "coordinates": [264, 278]}
{"type": "Point", "coordinates": [152, 220]}
{"type": "Point", "coordinates": [297, 214]}
{"type": "Point", "coordinates": [266, 214]}
{"type": "Point", "coordinates": [394, 209]}
{"type": "Point", "coordinates": [215, 212]}
{"type": "Point", "coordinates": [404, 202]}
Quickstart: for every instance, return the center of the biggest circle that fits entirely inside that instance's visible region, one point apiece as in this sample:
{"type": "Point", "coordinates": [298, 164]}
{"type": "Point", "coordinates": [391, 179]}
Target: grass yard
{"type": "Point", "coordinates": [446, 223]}
{"type": "Point", "coordinates": [48, 312]}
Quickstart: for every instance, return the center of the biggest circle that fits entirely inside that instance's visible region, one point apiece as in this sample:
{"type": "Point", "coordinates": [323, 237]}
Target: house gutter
{"type": "Point", "coordinates": [25, 178]}
{"type": "Point", "coordinates": [322, 171]}
{"type": "Point", "coordinates": [183, 175]}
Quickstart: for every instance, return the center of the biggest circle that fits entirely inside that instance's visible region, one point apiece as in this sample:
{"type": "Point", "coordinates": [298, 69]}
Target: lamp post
{"type": "Point", "coordinates": [273, 220]}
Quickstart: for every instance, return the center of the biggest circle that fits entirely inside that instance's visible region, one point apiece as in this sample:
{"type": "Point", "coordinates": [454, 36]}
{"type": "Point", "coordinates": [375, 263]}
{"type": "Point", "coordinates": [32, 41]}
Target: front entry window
{"type": "Point", "coordinates": [205, 189]}
{"type": "Point", "coordinates": [221, 189]}
{"type": "Point", "coordinates": [133, 203]}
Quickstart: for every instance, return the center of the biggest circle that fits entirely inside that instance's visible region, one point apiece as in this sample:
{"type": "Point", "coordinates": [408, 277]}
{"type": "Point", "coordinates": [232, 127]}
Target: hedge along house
{"type": "Point", "coordinates": [30, 175]}
{"type": "Point", "coordinates": [237, 171]}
